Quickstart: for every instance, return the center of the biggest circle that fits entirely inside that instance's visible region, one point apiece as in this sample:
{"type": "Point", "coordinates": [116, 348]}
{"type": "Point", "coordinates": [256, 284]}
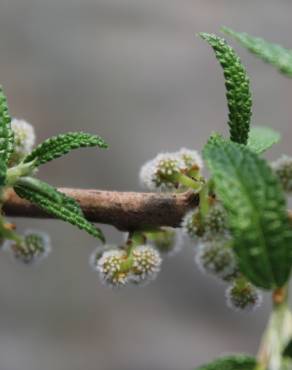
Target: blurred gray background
{"type": "Point", "coordinates": [134, 72]}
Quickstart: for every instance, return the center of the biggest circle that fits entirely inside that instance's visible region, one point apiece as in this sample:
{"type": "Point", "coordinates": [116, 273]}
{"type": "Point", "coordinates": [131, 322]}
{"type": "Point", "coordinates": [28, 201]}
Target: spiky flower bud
{"type": "Point", "coordinates": [217, 258]}
{"type": "Point", "coordinates": [167, 240]}
{"type": "Point", "coordinates": [283, 170]}
{"type": "Point", "coordinates": [192, 225]}
{"type": "Point", "coordinates": [146, 263]}
{"type": "Point", "coordinates": [110, 266]}
{"type": "Point", "coordinates": [215, 222]}
{"type": "Point", "coordinates": [243, 296]}
{"type": "Point", "coordinates": [24, 139]}
{"type": "Point", "coordinates": [34, 248]}
{"type": "Point", "coordinates": [192, 159]}
{"type": "Point", "coordinates": [161, 172]}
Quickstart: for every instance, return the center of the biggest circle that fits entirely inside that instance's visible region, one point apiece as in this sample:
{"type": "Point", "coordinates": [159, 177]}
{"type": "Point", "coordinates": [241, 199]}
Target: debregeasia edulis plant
{"type": "Point", "coordinates": [240, 232]}
{"type": "Point", "coordinates": [19, 161]}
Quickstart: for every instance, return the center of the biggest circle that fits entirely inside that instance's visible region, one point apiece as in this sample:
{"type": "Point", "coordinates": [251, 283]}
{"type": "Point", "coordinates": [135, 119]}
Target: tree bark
{"type": "Point", "coordinates": [125, 210]}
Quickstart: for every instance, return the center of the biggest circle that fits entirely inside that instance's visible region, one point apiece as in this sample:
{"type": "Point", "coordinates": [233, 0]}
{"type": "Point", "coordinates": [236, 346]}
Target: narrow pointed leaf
{"type": "Point", "coordinates": [6, 137]}
{"type": "Point", "coordinates": [60, 145]}
{"type": "Point", "coordinates": [271, 53]}
{"type": "Point", "coordinates": [238, 362]}
{"type": "Point", "coordinates": [56, 203]}
{"type": "Point", "coordinates": [262, 138]}
{"type": "Point", "coordinates": [257, 212]}
{"type": "Point", "coordinates": [237, 88]}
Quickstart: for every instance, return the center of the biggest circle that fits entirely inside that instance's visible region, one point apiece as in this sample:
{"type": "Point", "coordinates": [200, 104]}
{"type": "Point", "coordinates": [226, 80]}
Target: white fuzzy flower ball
{"type": "Point", "coordinates": [158, 174]}
{"type": "Point", "coordinates": [215, 222]}
{"type": "Point", "coordinates": [191, 158]}
{"type": "Point", "coordinates": [192, 225]}
{"type": "Point", "coordinates": [146, 263]}
{"type": "Point", "coordinates": [217, 258]}
{"type": "Point", "coordinates": [35, 247]}
{"type": "Point", "coordinates": [243, 296]}
{"type": "Point", "coordinates": [283, 170]}
{"type": "Point", "coordinates": [24, 139]}
{"type": "Point", "coordinates": [109, 265]}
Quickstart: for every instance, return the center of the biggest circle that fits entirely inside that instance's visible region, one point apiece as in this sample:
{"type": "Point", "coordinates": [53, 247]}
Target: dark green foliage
{"type": "Point", "coordinates": [238, 362]}
{"type": "Point", "coordinates": [262, 138]}
{"type": "Point", "coordinates": [274, 54]}
{"type": "Point", "coordinates": [6, 137]}
{"type": "Point", "coordinates": [237, 88]}
{"type": "Point", "coordinates": [288, 350]}
{"type": "Point", "coordinates": [51, 200]}
{"type": "Point", "coordinates": [57, 146]}
{"type": "Point", "coordinates": [257, 212]}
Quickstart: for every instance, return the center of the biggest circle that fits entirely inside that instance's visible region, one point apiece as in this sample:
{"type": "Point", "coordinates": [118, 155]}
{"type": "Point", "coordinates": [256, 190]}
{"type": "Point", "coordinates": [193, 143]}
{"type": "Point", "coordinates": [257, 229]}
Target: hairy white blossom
{"type": "Point", "coordinates": [215, 222]}
{"type": "Point", "coordinates": [158, 174]}
{"type": "Point", "coordinates": [97, 254]}
{"type": "Point", "coordinates": [191, 158]}
{"type": "Point", "coordinates": [243, 296]}
{"type": "Point", "coordinates": [110, 267]}
{"type": "Point", "coordinates": [34, 248]}
{"type": "Point", "coordinates": [24, 139]}
{"type": "Point", "coordinates": [283, 170]}
{"type": "Point", "coordinates": [217, 258]}
{"type": "Point", "coordinates": [192, 225]}
{"type": "Point", "coordinates": [146, 263]}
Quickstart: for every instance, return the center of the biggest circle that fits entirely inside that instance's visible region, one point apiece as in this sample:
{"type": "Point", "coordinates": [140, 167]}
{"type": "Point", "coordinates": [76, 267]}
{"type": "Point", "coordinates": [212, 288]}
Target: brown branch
{"type": "Point", "coordinates": [124, 210]}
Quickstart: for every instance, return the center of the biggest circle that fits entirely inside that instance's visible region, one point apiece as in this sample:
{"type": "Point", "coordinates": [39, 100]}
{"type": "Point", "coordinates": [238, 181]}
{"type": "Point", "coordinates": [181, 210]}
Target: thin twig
{"type": "Point", "coordinates": [124, 210]}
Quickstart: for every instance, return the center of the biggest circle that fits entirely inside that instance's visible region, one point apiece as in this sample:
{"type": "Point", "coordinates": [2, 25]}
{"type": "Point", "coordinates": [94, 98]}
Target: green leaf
{"type": "Point", "coordinates": [6, 137]}
{"type": "Point", "coordinates": [256, 209]}
{"type": "Point", "coordinates": [237, 88]}
{"type": "Point", "coordinates": [56, 203]}
{"type": "Point", "coordinates": [262, 138]}
{"type": "Point", "coordinates": [288, 350]}
{"type": "Point", "coordinates": [57, 146]}
{"type": "Point", "coordinates": [274, 54]}
{"type": "Point", "coordinates": [238, 362]}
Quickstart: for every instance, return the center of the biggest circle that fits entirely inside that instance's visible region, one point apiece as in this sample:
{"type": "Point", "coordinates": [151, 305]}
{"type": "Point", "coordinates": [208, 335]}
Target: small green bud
{"type": "Point", "coordinates": [167, 240]}
{"type": "Point", "coordinates": [283, 170]}
{"type": "Point", "coordinates": [243, 296]}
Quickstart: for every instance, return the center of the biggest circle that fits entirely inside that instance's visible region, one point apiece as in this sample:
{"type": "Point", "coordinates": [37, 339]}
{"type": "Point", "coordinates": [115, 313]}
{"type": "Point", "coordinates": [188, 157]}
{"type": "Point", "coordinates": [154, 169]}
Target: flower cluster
{"type": "Point", "coordinates": [243, 296]}
{"type": "Point", "coordinates": [214, 254]}
{"type": "Point", "coordinates": [33, 248]}
{"type": "Point", "coordinates": [24, 139]}
{"type": "Point", "coordinates": [283, 170]}
{"type": "Point", "coordinates": [192, 225]}
{"type": "Point", "coordinates": [167, 171]}
{"type": "Point", "coordinates": [217, 258]}
{"type": "Point", "coordinates": [117, 267]}
{"type": "Point", "coordinates": [110, 268]}
{"type": "Point", "coordinates": [212, 225]}
{"type": "Point", "coordinates": [146, 264]}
